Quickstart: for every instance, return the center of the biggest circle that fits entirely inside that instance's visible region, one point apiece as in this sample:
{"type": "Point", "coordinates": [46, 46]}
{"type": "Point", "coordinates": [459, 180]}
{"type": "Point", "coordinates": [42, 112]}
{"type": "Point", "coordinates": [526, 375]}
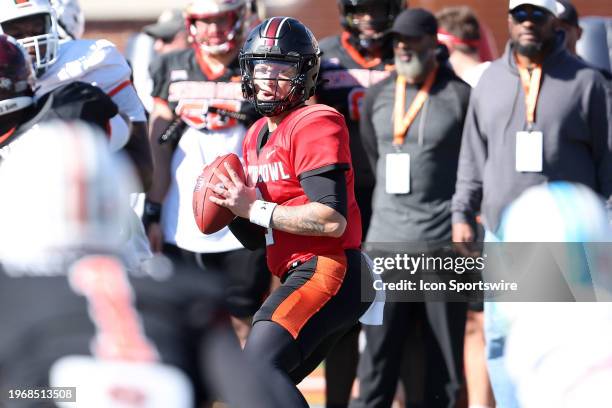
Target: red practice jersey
{"type": "Point", "coordinates": [310, 140]}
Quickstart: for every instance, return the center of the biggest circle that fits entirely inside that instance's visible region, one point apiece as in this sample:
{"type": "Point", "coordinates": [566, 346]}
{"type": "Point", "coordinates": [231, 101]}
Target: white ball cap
{"type": "Point", "coordinates": [550, 5]}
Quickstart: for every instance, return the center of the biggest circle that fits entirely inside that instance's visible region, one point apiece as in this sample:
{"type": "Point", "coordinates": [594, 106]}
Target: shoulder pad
{"type": "Point", "coordinates": [97, 62]}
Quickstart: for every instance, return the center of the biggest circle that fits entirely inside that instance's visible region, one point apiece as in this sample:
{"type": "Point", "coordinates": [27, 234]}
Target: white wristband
{"type": "Point", "coordinates": [261, 213]}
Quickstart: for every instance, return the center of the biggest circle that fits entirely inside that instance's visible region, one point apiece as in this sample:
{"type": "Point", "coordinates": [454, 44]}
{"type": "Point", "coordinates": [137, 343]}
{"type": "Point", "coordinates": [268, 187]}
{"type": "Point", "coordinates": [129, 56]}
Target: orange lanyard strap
{"type": "Point", "coordinates": [401, 120]}
{"type": "Point", "coordinates": [531, 86]}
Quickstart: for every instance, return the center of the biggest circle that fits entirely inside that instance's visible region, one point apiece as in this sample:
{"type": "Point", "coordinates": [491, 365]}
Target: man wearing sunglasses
{"type": "Point", "coordinates": [532, 30]}
{"type": "Point", "coordinates": [538, 114]}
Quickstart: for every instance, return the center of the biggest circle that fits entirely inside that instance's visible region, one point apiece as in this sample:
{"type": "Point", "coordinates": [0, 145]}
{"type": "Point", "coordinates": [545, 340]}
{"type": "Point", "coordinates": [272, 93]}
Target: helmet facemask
{"type": "Point", "coordinates": [275, 85]}
{"type": "Point", "coordinates": [42, 45]}
{"type": "Point", "coordinates": [282, 79]}
{"type": "Point", "coordinates": [367, 21]}
{"type": "Point", "coordinates": [376, 20]}
{"type": "Point", "coordinates": [232, 36]}
{"type": "Point", "coordinates": [289, 57]}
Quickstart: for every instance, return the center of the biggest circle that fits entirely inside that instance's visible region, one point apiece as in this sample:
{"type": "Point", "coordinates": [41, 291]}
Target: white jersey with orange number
{"type": "Point", "coordinates": [99, 63]}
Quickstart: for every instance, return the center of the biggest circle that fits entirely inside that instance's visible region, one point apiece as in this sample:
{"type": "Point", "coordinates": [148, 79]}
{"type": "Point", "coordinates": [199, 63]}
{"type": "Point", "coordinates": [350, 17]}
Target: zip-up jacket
{"type": "Point", "coordinates": [574, 113]}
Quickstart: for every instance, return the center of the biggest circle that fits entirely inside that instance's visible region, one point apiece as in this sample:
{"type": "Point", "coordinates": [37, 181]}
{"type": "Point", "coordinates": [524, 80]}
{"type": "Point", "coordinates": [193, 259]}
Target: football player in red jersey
{"type": "Point", "coordinates": [299, 162]}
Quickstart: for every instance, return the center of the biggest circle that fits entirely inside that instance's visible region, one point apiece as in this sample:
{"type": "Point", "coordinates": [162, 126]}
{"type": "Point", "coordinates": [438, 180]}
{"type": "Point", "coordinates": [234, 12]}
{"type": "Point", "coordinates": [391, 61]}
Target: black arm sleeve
{"type": "Point", "coordinates": [251, 236]}
{"type": "Point", "coordinates": [328, 188]}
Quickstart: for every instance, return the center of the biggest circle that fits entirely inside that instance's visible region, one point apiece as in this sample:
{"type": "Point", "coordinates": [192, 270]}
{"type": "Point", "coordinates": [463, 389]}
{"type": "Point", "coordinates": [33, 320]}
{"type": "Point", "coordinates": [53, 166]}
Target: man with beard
{"type": "Point", "coordinates": [415, 158]}
{"type": "Point", "coordinates": [538, 114]}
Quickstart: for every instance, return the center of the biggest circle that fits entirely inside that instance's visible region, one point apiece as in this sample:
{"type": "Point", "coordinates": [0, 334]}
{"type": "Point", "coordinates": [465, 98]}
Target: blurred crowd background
{"type": "Point", "coordinates": [116, 20]}
{"type": "Point", "coordinates": [126, 25]}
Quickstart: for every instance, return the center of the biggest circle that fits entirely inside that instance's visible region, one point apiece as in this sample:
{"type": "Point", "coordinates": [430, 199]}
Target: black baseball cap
{"type": "Point", "coordinates": [415, 22]}
{"type": "Point", "coordinates": [567, 12]}
{"type": "Point", "coordinates": [169, 23]}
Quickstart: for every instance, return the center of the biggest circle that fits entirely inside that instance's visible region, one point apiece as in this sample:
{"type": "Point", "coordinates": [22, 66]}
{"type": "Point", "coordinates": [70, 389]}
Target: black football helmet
{"type": "Point", "coordinates": [383, 14]}
{"type": "Point", "coordinates": [16, 76]}
{"type": "Point", "coordinates": [281, 40]}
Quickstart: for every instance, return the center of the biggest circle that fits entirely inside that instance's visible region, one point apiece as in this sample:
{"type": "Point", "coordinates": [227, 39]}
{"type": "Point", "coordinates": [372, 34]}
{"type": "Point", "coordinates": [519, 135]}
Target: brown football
{"type": "Point", "coordinates": [209, 216]}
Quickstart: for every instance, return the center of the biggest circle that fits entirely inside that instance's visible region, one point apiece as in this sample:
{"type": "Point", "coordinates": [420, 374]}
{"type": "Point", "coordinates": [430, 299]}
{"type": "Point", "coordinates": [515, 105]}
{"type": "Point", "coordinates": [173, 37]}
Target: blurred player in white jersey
{"type": "Point", "coordinates": [73, 316]}
{"type": "Point", "coordinates": [59, 61]}
{"type": "Point", "coordinates": [70, 18]}
{"type": "Point", "coordinates": [20, 113]}
{"type": "Point", "coordinates": [558, 353]}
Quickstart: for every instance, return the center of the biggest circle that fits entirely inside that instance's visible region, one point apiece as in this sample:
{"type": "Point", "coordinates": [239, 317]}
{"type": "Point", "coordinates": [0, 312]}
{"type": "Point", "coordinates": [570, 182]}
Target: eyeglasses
{"type": "Point", "coordinates": [536, 16]}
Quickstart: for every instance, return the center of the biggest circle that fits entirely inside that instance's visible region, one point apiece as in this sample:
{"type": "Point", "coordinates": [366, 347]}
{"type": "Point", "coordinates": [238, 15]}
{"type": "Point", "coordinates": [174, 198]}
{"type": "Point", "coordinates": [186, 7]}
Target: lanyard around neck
{"type": "Point", "coordinates": [402, 121]}
{"type": "Point", "coordinates": [531, 86]}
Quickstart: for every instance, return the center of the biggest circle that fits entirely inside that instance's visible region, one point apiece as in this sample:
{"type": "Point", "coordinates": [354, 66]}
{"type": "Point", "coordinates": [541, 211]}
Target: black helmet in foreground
{"type": "Point", "coordinates": [282, 44]}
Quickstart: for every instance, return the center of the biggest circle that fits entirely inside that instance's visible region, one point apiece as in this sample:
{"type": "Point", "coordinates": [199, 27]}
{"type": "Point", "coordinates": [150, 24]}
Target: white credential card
{"type": "Point", "coordinates": [529, 151]}
{"type": "Point", "coordinates": [398, 173]}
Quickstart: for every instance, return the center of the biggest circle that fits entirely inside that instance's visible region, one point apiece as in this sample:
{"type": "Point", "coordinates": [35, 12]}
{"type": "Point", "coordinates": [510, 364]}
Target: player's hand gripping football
{"type": "Point", "coordinates": [237, 196]}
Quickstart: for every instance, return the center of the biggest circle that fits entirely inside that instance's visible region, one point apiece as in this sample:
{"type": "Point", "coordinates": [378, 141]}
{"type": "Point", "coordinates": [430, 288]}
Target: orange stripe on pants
{"type": "Point", "coordinates": [295, 311]}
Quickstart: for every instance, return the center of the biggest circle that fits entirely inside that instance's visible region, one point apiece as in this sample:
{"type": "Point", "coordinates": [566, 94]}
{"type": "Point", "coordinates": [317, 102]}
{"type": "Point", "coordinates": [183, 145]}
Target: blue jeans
{"type": "Point", "coordinates": [496, 328]}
